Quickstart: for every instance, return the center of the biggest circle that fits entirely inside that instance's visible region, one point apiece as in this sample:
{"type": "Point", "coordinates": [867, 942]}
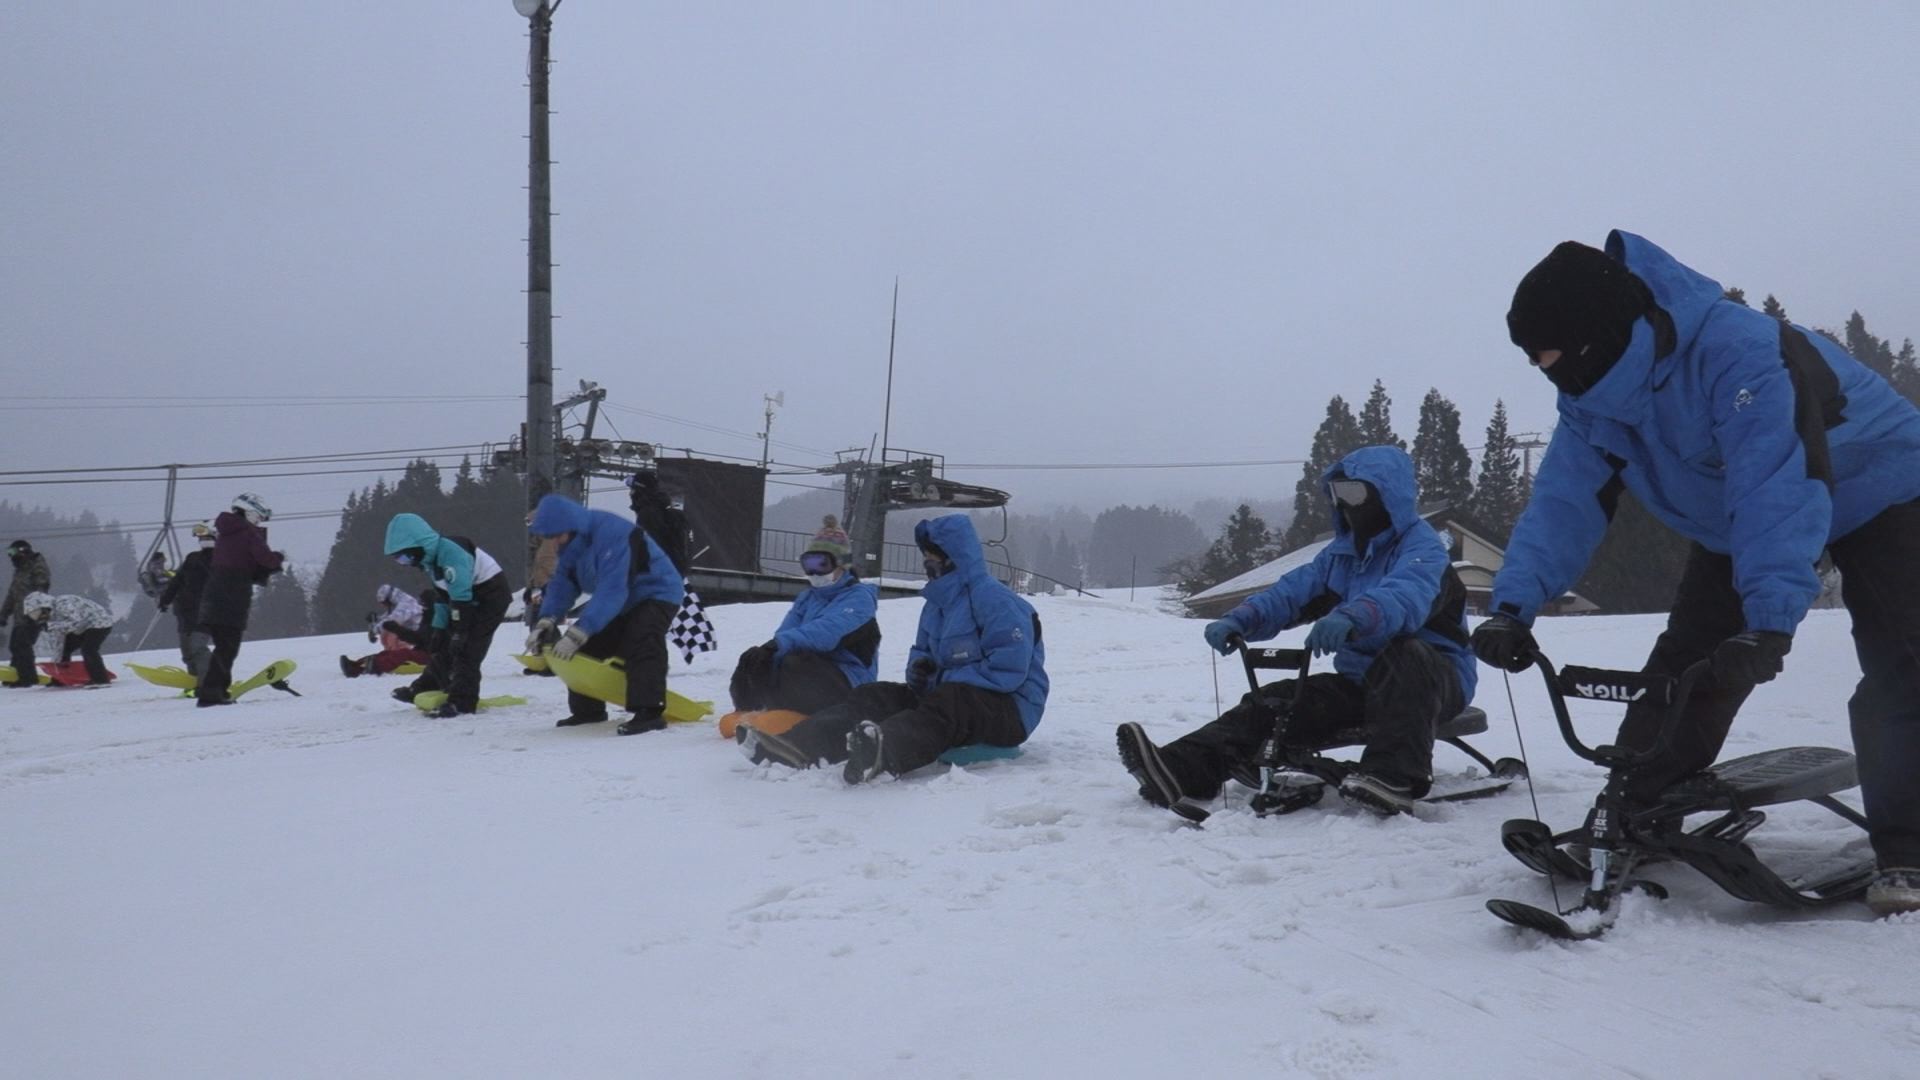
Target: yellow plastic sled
{"type": "Point", "coordinates": [606, 680]}
{"type": "Point", "coordinates": [772, 721]}
{"type": "Point", "coordinates": [167, 675]}
{"type": "Point", "coordinates": [7, 675]}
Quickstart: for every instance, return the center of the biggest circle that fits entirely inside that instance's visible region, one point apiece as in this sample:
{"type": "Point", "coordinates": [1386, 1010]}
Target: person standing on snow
{"type": "Point", "coordinates": [825, 647]}
{"type": "Point", "coordinates": [182, 594]}
{"type": "Point", "coordinates": [241, 559]}
{"type": "Point", "coordinates": [976, 675]}
{"type": "Point", "coordinates": [654, 512]}
{"type": "Point", "coordinates": [471, 596]}
{"type": "Point", "coordinates": [1385, 601]}
{"type": "Point", "coordinates": [29, 576]}
{"type": "Point", "coordinates": [1763, 444]}
{"type": "Point", "coordinates": [636, 589]}
{"type": "Point", "coordinates": [77, 623]}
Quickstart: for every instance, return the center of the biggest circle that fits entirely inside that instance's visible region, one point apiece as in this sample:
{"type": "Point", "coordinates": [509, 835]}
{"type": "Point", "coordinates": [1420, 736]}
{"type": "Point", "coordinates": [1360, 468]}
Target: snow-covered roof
{"type": "Point", "coordinates": [1262, 576]}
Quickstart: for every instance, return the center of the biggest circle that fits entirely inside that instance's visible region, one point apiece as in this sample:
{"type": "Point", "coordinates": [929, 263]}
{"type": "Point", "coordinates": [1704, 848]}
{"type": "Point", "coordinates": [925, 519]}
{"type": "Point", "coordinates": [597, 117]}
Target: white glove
{"type": "Point", "coordinates": [543, 632]}
{"type": "Point", "coordinates": [569, 643]}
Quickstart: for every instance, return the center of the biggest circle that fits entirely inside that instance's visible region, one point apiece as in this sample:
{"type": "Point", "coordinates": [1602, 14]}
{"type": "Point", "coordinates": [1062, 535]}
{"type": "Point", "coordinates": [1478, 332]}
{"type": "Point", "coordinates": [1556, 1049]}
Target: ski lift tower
{"type": "Point", "coordinates": [900, 480]}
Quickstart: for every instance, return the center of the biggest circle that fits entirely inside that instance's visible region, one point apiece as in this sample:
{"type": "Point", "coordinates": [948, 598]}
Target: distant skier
{"type": "Point", "coordinates": [825, 646]}
{"type": "Point", "coordinates": [29, 576]}
{"type": "Point", "coordinates": [976, 675]}
{"type": "Point", "coordinates": [1385, 600]}
{"type": "Point", "coordinates": [241, 559]}
{"type": "Point", "coordinates": [182, 594]}
{"type": "Point", "coordinates": [1762, 443]}
{"type": "Point", "coordinates": [395, 625]}
{"type": "Point", "coordinates": [78, 624]}
{"type": "Point", "coordinates": [635, 591]}
{"type": "Point", "coordinates": [471, 596]}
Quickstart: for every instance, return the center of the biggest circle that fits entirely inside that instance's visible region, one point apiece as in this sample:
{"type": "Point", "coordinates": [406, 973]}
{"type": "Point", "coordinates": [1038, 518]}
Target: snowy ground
{"type": "Point", "coordinates": [334, 886]}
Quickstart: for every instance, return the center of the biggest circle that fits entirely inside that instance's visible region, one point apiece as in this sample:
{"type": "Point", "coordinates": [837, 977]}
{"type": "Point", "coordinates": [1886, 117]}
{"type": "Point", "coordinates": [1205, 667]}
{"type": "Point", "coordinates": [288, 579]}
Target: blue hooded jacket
{"type": "Point", "coordinates": [821, 618]}
{"type": "Point", "coordinates": [447, 564]}
{"type": "Point", "coordinates": [1705, 436]}
{"type": "Point", "coordinates": [599, 560]}
{"type": "Point", "coordinates": [1388, 590]}
{"type": "Point", "coordinates": [974, 628]}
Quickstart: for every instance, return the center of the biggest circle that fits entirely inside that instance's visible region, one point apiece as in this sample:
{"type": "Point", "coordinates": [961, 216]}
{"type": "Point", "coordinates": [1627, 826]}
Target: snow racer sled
{"type": "Point", "coordinates": [1287, 778]}
{"type": "Point", "coordinates": [1619, 837]}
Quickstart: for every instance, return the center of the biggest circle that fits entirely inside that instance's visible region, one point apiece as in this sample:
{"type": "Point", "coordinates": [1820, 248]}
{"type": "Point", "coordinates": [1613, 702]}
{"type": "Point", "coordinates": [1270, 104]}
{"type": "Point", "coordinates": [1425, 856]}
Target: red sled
{"type": "Point", "coordinates": [71, 673]}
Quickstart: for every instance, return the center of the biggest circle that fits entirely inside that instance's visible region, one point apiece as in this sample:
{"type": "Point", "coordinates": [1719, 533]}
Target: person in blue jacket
{"type": "Point", "coordinates": [1763, 444]}
{"type": "Point", "coordinates": [469, 598]}
{"type": "Point", "coordinates": [635, 591]}
{"type": "Point", "coordinates": [827, 644]}
{"type": "Point", "coordinates": [976, 675]}
{"type": "Point", "coordinates": [1384, 599]}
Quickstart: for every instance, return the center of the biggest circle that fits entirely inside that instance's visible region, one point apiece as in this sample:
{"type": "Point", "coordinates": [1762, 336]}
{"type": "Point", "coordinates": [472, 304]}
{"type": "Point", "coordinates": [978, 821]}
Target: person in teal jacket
{"type": "Point", "coordinates": [976, 675]}
{"type": "Point", "coordinates": [827, 644]}
{"type": "Point", "coordinates": [635, 592]}
{"type": "Point", "coordinates": [1762, 443]}
{"type": "Point", "coordinates": [1384, 599]}
{"type": "Point", "coordinates": [470, 597]}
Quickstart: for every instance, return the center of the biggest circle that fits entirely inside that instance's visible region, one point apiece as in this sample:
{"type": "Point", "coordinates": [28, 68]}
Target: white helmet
{"type": "Point", "coordinates": [203, 530]}
{"type": "Point", "coordinates": [253, 506]}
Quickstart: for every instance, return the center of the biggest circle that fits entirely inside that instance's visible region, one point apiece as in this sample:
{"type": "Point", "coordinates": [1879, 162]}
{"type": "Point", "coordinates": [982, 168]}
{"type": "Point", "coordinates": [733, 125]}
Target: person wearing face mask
{"type": "Point", "coordinates": [826, 645]}
{"type": "Point", "coordinates": [1384, 599]}
{"type": "Point", "coordinates": [1763, 444]}
{"type": "Point", "coordinates": [470, 597]}
{"type": "Point", "coordinates": [241, 559]}
{"type": "Point", "coordinates": [182, 595]}
{"type": "Point", "coordinates": [29, 576]}
{"type": "Point", "coordinates": [976, 675]}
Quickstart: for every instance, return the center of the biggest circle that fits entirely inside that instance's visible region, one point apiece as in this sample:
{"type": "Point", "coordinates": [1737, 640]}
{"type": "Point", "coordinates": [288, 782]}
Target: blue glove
{"type": "Point", "coordinates": [1218, 631]}
{"type": "Point", "coordinates": [1329, 634]}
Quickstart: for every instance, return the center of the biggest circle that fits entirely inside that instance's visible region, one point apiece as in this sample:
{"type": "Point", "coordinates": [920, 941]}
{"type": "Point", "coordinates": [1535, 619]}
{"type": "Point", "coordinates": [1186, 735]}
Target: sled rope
{"type": "Point", "coordinates": [1514, 712]}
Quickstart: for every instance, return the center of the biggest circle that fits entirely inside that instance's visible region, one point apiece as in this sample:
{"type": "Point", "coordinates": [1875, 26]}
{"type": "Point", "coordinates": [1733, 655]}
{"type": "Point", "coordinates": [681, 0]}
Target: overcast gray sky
{"type": "Point", "coordinates": [1123, 231]}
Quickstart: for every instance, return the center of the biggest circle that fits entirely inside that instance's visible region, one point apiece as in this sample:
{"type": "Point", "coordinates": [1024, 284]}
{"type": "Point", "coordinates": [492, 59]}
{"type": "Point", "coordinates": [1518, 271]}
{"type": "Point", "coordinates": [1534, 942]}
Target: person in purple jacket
{"type": "Point", "coordinates": [241, 560]}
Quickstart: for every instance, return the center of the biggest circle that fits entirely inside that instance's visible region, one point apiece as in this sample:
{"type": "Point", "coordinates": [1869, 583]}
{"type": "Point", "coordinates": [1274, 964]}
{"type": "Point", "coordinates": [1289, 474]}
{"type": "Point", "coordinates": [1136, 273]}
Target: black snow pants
{"type": "Point", "coordinates": [193, 644]}
{"type": "Point", "coordinates": [455, 665]}
{"type": "Point", "coordinates": [637, 637]}
{"type": "Point", "coordinates": [1408, 690]}
{"type": "Point", "coordinates": [87, 643]}
{"type": "Point", "coordinates": [20, 642]}
{"type": "Point", "coordinates": [1880, 585]}
{"type": "Point", "coordinates": [804, 682]}
{"type": "Point", "coordinates": [212, 689]}
{"type": "Point", "coordinates": [916, 728]}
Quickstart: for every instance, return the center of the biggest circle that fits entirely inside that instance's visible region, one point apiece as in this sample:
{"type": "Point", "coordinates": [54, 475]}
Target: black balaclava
{"type": "Point", "coordinates": [1581, 301]}
{"type": "Point", "coordinates": [1367, 520]}
{"type": "Point", "coordinates": [934, 560]}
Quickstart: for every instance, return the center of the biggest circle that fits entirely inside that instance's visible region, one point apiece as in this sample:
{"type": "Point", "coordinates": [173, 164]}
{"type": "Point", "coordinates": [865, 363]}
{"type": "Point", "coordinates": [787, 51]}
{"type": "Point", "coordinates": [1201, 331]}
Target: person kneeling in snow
{"type": "Point", "coordinates": [470, 597]}
{"type": "Point", "coordinates": [825, 646]}
{"type": "Point", "coordinates": [395, 625]}
{"type": "Point", "coordinates": [77, 623]}
{"type": "Point", "coordinates": [1385, 601]}
{"type": "Point", "coordinates": [636, 590]}
{"type": "Point", "coordinates": [976, 674]}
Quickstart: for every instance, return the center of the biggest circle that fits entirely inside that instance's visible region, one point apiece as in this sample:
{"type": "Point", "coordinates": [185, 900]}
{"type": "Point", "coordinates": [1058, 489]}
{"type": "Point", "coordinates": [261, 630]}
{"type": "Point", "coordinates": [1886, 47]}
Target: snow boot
{"type": "Point", "coordinates": [404, 693]}
{"type": "Point", "coordinates": [575, 719]}
{"type": "Point", "coordinates": [447, 711]}
{"type": "Point", "coordinates": [351, 668]}
{"type": "Point", "coordinates": [1895, 891]}
{"type": "Point", "coordinates": [863, 753]}
{"type": "Point", "coordinates": [1383, 795]}
{"type": "Point", "coordinates": [764, 747]}
{"type": "Point", "coordinates": [642, 722]}
{"type": "Point", "coordinates": [1143, 760]}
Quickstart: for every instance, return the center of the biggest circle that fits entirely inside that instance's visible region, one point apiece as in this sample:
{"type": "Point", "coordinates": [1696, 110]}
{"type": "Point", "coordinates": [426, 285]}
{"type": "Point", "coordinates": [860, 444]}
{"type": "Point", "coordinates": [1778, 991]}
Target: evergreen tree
{"type": "Point", "coordinates": [1338, 436]}
{"type": "Point", "coordinates": [1376, 423]}
{"type": "Point", "coordinates": [1497, 495]}
{"type": "Point", "coordinates": [1244, 543]}
{"type": "Point", "coordinates": [1738, 296]}
{"type": "Point", "coordinates": [1442, 468]}
{"type": "Point", "coordinates": [1866, 348]}
{"type": "Point", "coordinates": [1906, 373]}
{"type": "Point", "coordinates": [280, 609]}
{"type": "Point", "coordinates": [1638, 564]}
{"type": "Point", "coordinates": [1131, 544]}
{"type": "Point", "coordinates": [1773, 307]}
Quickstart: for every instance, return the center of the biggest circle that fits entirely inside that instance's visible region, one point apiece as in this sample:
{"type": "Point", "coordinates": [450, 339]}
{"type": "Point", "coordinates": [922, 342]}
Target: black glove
{"type": "Point", "coordinates": [1751, 657]}
{"type": "Point", "coordinates": [922, 671]}
{"type": "Point", "coordinates": [1505, 642]}
{"type": "Point", "coordinates": [162, 607]}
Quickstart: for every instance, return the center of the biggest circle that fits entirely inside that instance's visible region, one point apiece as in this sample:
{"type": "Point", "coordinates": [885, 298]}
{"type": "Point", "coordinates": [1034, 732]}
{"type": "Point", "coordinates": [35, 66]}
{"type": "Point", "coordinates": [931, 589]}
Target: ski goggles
{"type": "Point", "coordinates": [816, 563]}
{"type": "Point", "coordinates": [1350, 492]}
{"type": "Point", "coordinates": [405, 558]}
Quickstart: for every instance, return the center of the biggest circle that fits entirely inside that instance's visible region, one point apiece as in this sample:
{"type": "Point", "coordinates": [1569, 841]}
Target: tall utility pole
{"type": "Point", "coordinates": [540, 427]}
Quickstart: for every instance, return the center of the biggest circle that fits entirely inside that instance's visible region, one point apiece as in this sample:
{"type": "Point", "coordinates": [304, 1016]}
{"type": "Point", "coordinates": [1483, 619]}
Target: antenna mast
{"type": "Point", "coordinates": [893, 330]}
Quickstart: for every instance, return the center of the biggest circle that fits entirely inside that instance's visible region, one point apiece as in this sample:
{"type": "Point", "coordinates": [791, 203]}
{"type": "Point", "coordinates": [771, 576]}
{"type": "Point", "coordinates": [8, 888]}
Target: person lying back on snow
{"type": "Point", "coordinates": [976, 675]}
{"type": "Point", "coordinates": [827, 644]}
{"type": "Point", "coordinates": [1384, 599]}
{"type": "Point", "coordinates": [77, 623]}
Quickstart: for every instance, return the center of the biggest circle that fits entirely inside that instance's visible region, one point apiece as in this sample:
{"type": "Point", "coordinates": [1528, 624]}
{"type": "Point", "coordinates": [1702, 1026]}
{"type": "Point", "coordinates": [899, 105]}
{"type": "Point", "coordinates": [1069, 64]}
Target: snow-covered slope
{"type": "Point", "coordinates": [334, 886]}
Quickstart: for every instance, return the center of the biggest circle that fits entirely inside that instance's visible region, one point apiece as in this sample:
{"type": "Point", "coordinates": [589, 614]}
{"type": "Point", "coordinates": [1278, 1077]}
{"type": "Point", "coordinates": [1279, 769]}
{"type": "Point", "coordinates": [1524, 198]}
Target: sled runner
{"type": "Point", "coordinates": [1620, 837]}
{"type": "Point", "coordinates": [1287, 778]}
{"type": "Point", "coordinates": [606, 680]}
{"type": "Point", "coordinates": [71, 673]}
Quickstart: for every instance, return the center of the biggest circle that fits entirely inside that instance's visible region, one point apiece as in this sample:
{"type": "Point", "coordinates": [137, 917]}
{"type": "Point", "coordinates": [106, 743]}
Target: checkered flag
{"type": "Point", "coordinates": [691, 632]}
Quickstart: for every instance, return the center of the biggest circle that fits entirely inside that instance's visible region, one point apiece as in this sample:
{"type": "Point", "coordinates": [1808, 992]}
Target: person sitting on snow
{"type": "Point", "coordinates": [29, 576]}
{"type": "Point", "coordinates": [470, 597]}
{"type": "Point", "coordinates": [395, 625]}
{"type": "Point", "coordinates": [636, 590]}
{"type": "Point", "coordinates": [826, 645]}
{"type": "Point", "coordinates": [1385, 600]}
{"type": "Point", "coordinates": [182, 594]}
{"type": "Point", "coordinates": [976, 675]}
{"type": "Point", "coordinates": [77, 623]}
